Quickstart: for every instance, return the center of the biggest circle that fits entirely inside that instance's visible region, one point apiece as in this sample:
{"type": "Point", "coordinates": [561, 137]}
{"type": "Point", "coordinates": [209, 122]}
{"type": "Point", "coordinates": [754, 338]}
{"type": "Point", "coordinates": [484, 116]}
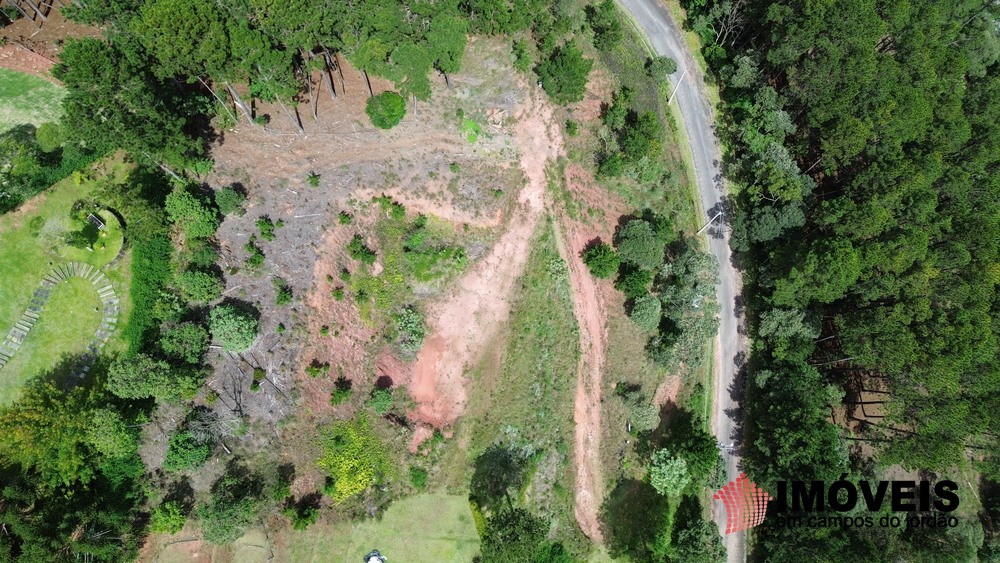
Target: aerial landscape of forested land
{"type": "Point", "coordinates": [366, 252]}
{"type": "Point", "coordinates": [299, 280]}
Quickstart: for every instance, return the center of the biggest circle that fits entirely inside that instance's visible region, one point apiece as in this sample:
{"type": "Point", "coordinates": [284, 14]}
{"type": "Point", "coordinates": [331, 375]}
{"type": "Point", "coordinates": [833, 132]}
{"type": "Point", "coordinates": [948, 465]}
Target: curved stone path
{"type": "Point", "coordinates": [109, 317]}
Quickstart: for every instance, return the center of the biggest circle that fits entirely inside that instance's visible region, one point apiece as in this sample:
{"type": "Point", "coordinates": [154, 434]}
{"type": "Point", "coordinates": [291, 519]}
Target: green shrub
{"type": "Point", "coordinates": [522, 55]}
{"type": "Point", "coordinates": [345, 218]}
{"type": "Point", "coordinates": [302, 516]}
{"type": "Point", "coordinates": [313, 179]}
{"type": "Point", "coordinates": [396, 210]}
{"type": "Point", "coordinates": [564, 74]}
{"type": "Point", "coordinates": [646, 312]}
{"type": "Point", "coordinates": [357, 250]}
{"type": "Point", "coordinates": [267, 227]}
{"type": "Point", "coordinates": [50, 136]}
{"type": "Point", "coordinates": [603, 19]}
{"type": "Point", "coordinates": [660, 67]}
{"type": "Point", "coordinates": [602, 260]}
{"type": "Point", "coordinates": [418, 477]}
{"type": "Point", "coordinates": [283, 291]}
{"type": "Point", "coordinates": [317, 368]}
{"type": "Point", "coordinates": [410, 330]}
{"type": "Point", "coordinates": [230, 200]}
{"type": "Point", "coordinates": [572, 128]}
{"type": "Point", "coordinates": [381, 401]}
{"type": "Point", "coordinates": [234, 329]}
{"type": "Point", "coordinates": [168, 518]}
{"type": "Point", "coordinates": [256, 258]}
{"type": "Point", "coordinates": [194, 214]}
{"type": "Point", "coordinates": [198, 287]}
{"type": "Point", "coordinates": [634, 283]}
{"type": "Point", "coordinates": [386, 110]}
{"type": "Point", "coordinates": [338, 293]}
{"type": "Point", "coordinates": [611, 166]}
{"type": "Point", "coordinates": [233, 506]}
{"type": "Point", "coordinates": [259, 375]}
{"type": "Point", "coordinates": [639, 245]}
{"type": "Point", "coordinates": [353, 457]}
{"type": "Point", "coordinates": [185, 342]}
{"type": "Point", "coordinates": [341, 391]}
{"type": "Point", "coordinates": [185, 452]}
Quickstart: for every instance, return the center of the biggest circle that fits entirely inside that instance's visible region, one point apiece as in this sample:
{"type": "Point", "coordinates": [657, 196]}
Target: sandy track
{"type": "Point", "coordinates": [471, 316]}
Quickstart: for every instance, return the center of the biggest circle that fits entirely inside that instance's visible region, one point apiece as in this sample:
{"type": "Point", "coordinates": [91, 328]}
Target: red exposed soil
{"type": "Point", "coordinates": [16, 57]}
{"type": "Point", "coordinates": [45, 40]}
{"type": "Point", "coordinates": [467, 320]}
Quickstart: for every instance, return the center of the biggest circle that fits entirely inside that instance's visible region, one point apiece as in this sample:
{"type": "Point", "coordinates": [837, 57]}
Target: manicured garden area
{"type": "Point", "coordinates": [44, 233]}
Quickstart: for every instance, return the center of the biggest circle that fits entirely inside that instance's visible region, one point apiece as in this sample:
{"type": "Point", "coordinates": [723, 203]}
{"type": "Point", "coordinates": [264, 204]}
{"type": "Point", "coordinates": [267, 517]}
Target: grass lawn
{"type": "Point", "coordinates": [28, 99]}
{"type": "Point", "coordinates": [425, 528]}
{"type": "Point", "coordinates": [31, 244]}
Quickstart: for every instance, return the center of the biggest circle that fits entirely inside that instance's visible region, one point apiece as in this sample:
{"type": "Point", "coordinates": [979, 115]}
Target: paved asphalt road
{"type": "Point", "coordinates": [654, 20]}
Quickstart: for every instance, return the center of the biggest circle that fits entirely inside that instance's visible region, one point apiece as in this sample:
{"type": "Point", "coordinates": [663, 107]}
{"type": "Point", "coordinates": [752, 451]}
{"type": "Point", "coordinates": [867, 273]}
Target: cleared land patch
{"type": "Point", "coordinates": [28, 99]}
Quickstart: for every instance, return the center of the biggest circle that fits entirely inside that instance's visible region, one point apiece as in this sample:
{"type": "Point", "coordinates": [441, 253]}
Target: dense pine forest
{"type": "Point", "coordinates": [862, 141]}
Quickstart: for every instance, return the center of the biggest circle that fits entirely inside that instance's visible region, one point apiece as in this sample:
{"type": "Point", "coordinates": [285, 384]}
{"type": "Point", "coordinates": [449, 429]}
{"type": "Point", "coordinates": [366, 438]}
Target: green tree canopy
{"type": "Point", "coordinates": [233, 328]}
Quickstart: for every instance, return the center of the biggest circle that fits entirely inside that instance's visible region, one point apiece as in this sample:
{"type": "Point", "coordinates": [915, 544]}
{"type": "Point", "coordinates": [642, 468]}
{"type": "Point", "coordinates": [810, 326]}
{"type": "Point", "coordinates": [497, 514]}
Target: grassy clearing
{"type": "Point", "coordinates": [418, 256]}
{"type": "Point", "coordinates": [71, 317]}
{"type": "Point", "coordinates": [31, 244]}
{"type": "Point", "coordinates": [423, 528]}
{"type": "Point", "coordinates": [28, 99]}
{"type": "Point", "coordinates": [523, 394]}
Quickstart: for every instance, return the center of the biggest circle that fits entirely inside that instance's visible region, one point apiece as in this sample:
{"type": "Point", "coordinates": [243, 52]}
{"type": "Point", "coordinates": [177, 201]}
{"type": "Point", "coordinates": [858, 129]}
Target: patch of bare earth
{"type": "Point", "coordinates": [470, 317]}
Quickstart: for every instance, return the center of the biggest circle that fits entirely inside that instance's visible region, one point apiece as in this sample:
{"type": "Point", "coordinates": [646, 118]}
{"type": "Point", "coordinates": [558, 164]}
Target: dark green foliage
{"type": "Point", "coordinates": [233, 328]}
{"type": "Point", "coordinates": [266, 227]}
{"type": "Point", "coordinates": [344, 218]}
{"type": "Point", "coordinates": [357, 250]}
{"type": "Point", "coordinates": [341, 391]}
{"type": "Point", "coordinates": [185, 342]}
{"type": "Point", "coordinates": [282, 291]}
{"type": "Point", "coordinates": [634, 521]}
{"type": "Point", "coordinates": [230, 200]}
{"type": "Point", "coordinates": [564, 74]}
{"type": "Point", "coordinates": [185, 452]}
{"type": "Point", "coordinates": [634, 283]}
{"type": "Point", "coordinates": [140, 376]}
{"type": "Point", "coordinates": [498, 470]}
{"type": "Point", "coordinates": [572, 128]}
{"type": "Point", "coordinates": [313, 179]}
{"type": "Point", "coordinates": [256, 258]}
{"type": "Point", "coordinates": [601, 259]}
{"type": "Point", "coordinates": [151, 272]}
{"type": "Point", "coordinates": [881, 224]}
{"type": "Point", "coordinates": [317, 368]}
{"type": "Point", "coordinates": [233, 506]}
{"type": "Point", "coordinates": [381, 401]}
{"type": "Point", "coordinates": [513, 534]}
{"type": "Point", "coordinates": [198, 287]}
{"type": "Point", "coordinates": [113, 101]}
{"type": "Point", "coordinates": [603, 19]}
{"type": "Point", "coordinates": [386, 110]}
{"type": "Point", "coordinates": [418, 477]}
{"type": "Point", "coordinates": [302, 514]}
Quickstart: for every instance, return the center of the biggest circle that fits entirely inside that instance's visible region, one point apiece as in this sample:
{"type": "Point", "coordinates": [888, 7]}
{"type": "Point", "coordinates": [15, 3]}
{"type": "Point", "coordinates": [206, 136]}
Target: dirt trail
{"type": "Point", "coordinates": [589, 310]}
{"type": "Point", "coordinates": [468, 319]}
